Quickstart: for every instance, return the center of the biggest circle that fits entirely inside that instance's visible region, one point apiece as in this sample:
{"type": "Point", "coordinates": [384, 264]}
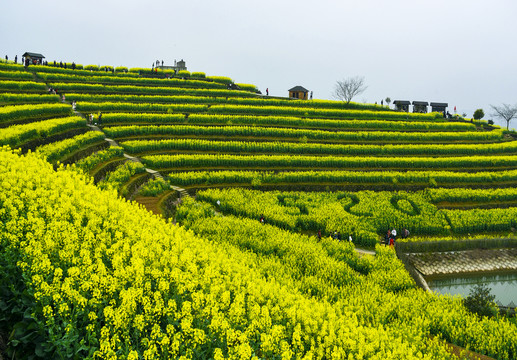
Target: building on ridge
{"type": "Point", "coordinates": [178, 66]}
{"type": "Point", "coordinates": [298, 92]}
{"type": "Point", "coordinates": [439, 107]}
{"type": "Point", "coordinates": [33, 58]}
{"type": "Point", "coordinates": [402, 105]}
{"type": "Point", "coordinates": [420, 107]}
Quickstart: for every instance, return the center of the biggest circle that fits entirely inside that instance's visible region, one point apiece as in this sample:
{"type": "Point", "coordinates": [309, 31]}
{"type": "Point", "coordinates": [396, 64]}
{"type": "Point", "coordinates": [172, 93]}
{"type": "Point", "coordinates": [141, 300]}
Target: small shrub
{"type": "Point", "coordinates": [478, 114]}
{"type": "Point", "coordinates": [184, 73]}
{"type": "Point", "coordinates": [121, 69]}
{"type": "Point", "coordinates": [480, 301]}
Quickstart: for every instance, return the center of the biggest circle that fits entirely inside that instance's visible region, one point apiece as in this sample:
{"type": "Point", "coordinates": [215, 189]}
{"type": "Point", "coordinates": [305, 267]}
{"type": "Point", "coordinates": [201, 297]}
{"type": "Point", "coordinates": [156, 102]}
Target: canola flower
{"type": "Point", "coordinates": [110, 280]}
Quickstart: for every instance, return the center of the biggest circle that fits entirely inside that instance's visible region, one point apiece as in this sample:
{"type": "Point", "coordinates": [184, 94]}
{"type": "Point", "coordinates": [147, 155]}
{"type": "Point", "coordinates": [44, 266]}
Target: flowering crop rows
{"type": "Point", "coordinates": [18, 134]}
{"type": "Point", "coordinates": [139, 146]}
{"type": "Point", "coordinates": [30, 86]}
{"type": "Point", "coordinates": [55, 151]}
{"type": "Point", "coordinates": [324, 113]}
{"type": "Point", "coordinates": [449, 179]}
{"type": "Point", "coordinates": [297, 134]}
{"type": "Point", "coordinates": [325, 162]}
{"type": "Point", "coordinates": [116, 80]}
{"type": "Point", "coordinates": [145, 90]}
{"type": "Point", "coordinates": [103, 278]}
{"type": "Point", "coordinates": [364, 215]}
{"type": "Point", "coordinates": [18, 112]}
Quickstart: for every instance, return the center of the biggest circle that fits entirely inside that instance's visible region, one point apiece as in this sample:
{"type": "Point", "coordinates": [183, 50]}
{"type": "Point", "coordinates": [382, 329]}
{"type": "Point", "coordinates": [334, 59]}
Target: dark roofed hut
{"type": "Point", "coordinates": [33, 58]}
{"type": "Point", "coordinates": [298, 92]}
{"type": "Point", "coordinates": [420, 106]}
{"type": "Point", "coordinates": [439, 107]}
{"type": "Point", "coordinates": [402, 105]}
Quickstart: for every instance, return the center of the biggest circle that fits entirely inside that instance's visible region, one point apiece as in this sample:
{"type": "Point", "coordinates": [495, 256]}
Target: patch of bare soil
{"type": "Point", "coordinates": [150, 203]}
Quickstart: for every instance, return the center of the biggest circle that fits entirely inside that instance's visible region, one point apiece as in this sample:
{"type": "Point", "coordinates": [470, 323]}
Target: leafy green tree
{"type": "Point", "coordinates": [388, 101]}
{"type": "Point", "coordinates": [478, 114]}
{"type": "Point", "coordinates": [481, 301]}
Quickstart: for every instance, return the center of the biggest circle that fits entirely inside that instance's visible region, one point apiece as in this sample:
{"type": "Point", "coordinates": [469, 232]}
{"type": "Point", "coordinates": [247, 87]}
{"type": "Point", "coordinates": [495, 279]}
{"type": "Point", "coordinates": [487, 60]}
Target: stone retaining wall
{"type": "Point", "coordinates": [464, 262]}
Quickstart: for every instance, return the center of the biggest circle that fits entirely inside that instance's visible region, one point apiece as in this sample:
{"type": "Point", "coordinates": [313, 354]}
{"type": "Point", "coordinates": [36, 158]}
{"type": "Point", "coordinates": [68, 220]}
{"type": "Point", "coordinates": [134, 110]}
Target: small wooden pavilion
{"type": "Point", "coordinates": [402, 105]}
{"type": "Point", "coordinates": [420, 106]}
{"type": "Point", "coordinates": [439, 107]}
{"type": "Point", "coordinates": [33, 58]}
{"type": "Point", "coordinates": [299, 92]}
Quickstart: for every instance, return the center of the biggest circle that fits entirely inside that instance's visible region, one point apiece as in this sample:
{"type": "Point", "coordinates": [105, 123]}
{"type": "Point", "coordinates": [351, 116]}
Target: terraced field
{"type": "Point", "coordinates": [100, 277]}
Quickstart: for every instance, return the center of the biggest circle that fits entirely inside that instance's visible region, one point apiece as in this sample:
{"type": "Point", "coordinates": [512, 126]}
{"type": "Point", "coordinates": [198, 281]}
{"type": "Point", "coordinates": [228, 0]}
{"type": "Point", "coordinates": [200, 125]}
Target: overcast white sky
{"type": "Point", "coordinates": [455, 51]}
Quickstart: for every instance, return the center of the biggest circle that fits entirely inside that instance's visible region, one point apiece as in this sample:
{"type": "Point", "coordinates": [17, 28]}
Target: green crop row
{"type": "Point", "coordinates": [139, 146]}
{"type": "Point", "coordinates": [89, 163]}
{"type": "Point", "coordinates": [22, 86]}
{"type": "Point", "coordinates": [248, 87]}
{"type": "Point", "coordinates": [409, 178]}
{"type": "Point", "coordinates": [330, 124]}
{"type": "Point", "coordinates": [82, 72]}
{"type": "Point", "coordinates": [220, 79]}
{"type": "Point", "coordinates": [472, 195]}
{"type": "Point", "coordinates": [9, 98]}
{"type": "Point", "coordinates": [482, 220]}
{"type": "Point", "coordinates": [18, 134]}
{"type": "Point", "coordinates": [326, 162]}
{"type": "Point", "coordinates": [299, 134]}
{"type": "Point", "coordinates": [16, 75]}
{"type": "Point", "coordinates": [143, 118]}
{"type": "Point", "coordinates": [58, 150]}
{"type": "Point", "coordinates": [319, 104]}
{"type": "Point", "coordinates": [323, 113]}
{"type": "Point", "coordinates": [209, 119]}
{"type": "Point", "coordinates": [145, 107]}
{"type": "Point", "coordinates": [121, 175]}
{"type": "Point", "coordinates": [146, 90]}
{"type": "Point", "coordinates": [19, 112]}
{"type": "Point", "coordinates": [11, 67]}
{"type": "Point", "coordinates": [151, 99]}
{"type": "Point", "coordinates": [114, 80]}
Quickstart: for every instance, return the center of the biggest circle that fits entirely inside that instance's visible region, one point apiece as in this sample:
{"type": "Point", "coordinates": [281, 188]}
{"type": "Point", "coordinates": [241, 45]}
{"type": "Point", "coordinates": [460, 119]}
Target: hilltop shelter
{"type": "Point", "coordinates": [178, 66]}
{"type": "Point", "coordinates": [299, 92]}
{"type": "Point", "coordinates": [402, 105]}
{"type": "Point", "coordinates": [420, 106]}
{"type": "Point", "coordinates": [439, 107]}
{"type": "Point", "coordinates": [33, 58]}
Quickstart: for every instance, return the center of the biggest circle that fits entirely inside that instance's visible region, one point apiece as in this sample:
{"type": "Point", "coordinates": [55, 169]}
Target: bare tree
{"type": "Point", "coordinates": [506, 112]}
{"type": "Point", "coordinates": [346, 89]}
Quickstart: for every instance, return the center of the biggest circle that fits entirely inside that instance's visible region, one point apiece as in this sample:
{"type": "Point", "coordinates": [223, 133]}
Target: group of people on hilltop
{"type": "Point", "coordinates": [391, 236]}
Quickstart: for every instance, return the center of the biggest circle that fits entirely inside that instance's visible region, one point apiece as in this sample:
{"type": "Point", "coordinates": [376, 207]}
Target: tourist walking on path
{"type": "Point", "coordinates": [267, 91]}
{"type": "Point", "coordinates": [387, 238]}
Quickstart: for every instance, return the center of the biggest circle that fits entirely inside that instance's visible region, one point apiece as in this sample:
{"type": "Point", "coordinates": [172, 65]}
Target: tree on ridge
{"type": "Point", "coordinates": [506, 112]}
{"type": "Point", "coordinates": [346, 89]}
